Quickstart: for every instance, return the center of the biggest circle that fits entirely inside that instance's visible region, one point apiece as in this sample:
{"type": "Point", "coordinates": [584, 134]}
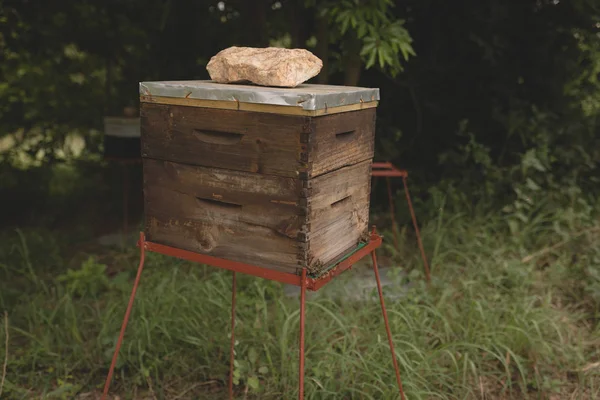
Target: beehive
{"type": "Point", "coordinates": [122, 138]}
{"type": "Point", "coordinates": [277, 178]}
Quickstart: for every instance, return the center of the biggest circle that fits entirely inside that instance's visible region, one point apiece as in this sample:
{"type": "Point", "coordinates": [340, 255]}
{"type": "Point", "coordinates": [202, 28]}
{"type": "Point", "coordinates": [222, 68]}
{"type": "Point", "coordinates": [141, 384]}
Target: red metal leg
{"type": "Point", "coordinates": [126, 318]}
{"type": "Point", "coordinates": [387, 325]}
{"type": "Point", "coordinates": [232, 357]}
{"type": "Point", "coordinates": [302, 314]}
{"type": "Point", "coordinates": [392, 214]}
{"type": "Point", "coordinates": [414, 220]}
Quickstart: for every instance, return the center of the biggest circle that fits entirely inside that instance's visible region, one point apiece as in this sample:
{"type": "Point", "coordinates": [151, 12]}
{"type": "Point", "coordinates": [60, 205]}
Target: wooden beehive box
{"type": "Point", "coordinates": [277, 178]}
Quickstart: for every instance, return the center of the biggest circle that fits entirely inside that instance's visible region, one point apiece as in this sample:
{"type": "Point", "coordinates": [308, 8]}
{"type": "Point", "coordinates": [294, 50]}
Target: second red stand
{"type": "Point", "coordinates": [388, 170]}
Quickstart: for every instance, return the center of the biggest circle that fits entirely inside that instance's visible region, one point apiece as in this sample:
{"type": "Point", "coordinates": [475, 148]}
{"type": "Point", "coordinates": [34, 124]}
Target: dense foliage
{"type": "Point", "coordinates": [501, 92]}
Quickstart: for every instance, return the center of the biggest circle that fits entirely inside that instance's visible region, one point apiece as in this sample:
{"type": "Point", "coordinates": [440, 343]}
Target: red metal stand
{"type": "Point", "coordinates": [305, 281]}
{"type": "Point", "coordinates": [387, 324]}
{"type": "Point", "coordinates": [126, 318]}
{"type": "Point", "coordinates": [232, 348]}
{"type": "Point", "coordinates": [302, 319]}
{"type": "Point", "coordinates": [388, 170]}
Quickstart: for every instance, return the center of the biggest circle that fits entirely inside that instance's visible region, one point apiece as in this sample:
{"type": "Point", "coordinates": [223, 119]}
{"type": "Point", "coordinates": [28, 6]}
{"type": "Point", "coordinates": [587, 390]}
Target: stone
{"type": "Point", "coordinates": [269, 66]}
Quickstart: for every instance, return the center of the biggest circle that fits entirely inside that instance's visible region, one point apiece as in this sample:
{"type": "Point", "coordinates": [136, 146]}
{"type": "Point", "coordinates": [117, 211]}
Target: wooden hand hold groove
{"type": "Point", "coordinates": [214, 137]}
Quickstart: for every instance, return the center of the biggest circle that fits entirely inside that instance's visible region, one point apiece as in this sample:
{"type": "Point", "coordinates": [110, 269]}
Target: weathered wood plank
{"type": "Point", "coordinates": [338, 211]}
{"type": "Point", "coordinates": [164, 201]}
{"type": "Point", "coordinates": [228, 186]}
{"type": "Point", "coordinates": [228, 214]}
{"type": "Point", "coordinates": [225, 240]}
{"type": "Point", "coordinates": [341, 139]}
{"type": "Point", "coordinates": [257, 142]}
{"type": "Point", "coordinates": [209, 194]}
{"type": "Point", "coordinates": [238, 140]}
{"type": "Point", "coordinates": [328, 242]}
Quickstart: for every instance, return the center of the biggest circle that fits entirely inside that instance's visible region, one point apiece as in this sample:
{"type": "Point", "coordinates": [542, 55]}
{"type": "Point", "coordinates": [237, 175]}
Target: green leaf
{"type": "Point", "coordinates": [522, 217]}
{"type": "Point", "coordinates": [263, 370]}
{"type": "Point", "coordinates": [371, 60]}
{"type": "Point", "coordinates": [345, 25]}
{"type": "Point", "coordinates": [372, 31]}
{"type": "Point", "coordinates": [407, 51]}
{"type": "Point", "coordinates": [379, 14]}
{"type": "Point", "coordinates": [368, 48]}
{"type": "Point", "coordinates": [253, 382]}
{"type": "Point", "coordinates": [530, 160]}
{"type": "Point", "coordinates": [252, 355]}
{"type": "Point", "coordinates": [381, 58]}
{"type": "Point", "coordinates": [513, 226]}
{"type": "Point", "coordinates": [362, 31]}
{"type": "Point", "coordinates": [532, 185]}
{"type": "Point", "coordinates": [387, 53]}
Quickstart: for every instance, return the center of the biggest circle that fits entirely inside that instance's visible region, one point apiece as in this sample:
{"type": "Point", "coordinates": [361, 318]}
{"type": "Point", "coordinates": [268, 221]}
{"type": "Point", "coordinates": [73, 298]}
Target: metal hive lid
{"type": "Point", "coordinates": [310, 97]}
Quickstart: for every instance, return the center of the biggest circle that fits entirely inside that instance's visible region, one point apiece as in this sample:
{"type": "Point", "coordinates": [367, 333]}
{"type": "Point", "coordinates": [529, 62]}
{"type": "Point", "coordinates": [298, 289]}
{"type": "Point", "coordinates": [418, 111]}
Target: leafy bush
{"type": "Point", "coordinates": [89, 280]}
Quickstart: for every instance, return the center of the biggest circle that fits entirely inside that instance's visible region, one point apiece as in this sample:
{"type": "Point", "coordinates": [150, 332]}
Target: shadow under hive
{"type": "Point", "coordinates": [273, 177]}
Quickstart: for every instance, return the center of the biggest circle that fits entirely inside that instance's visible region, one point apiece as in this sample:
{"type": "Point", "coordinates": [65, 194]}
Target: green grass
{"type": "Point", "coordinates": [490, 326]}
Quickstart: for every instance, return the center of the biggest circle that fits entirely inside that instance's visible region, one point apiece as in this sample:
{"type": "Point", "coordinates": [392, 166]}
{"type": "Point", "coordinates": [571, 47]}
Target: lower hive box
{"type": "Point", "coordinates": [280, 180]}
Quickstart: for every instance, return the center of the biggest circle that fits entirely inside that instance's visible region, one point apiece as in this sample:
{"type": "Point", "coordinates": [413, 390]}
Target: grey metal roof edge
{"type": "Point", "coordinates": [308, 96]}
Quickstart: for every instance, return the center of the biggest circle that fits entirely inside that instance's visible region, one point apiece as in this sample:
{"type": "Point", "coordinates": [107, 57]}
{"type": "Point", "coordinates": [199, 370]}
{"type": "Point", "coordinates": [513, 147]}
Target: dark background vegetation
{"type": "Point", "coordinates": [492, 106]}
{"type": "Point", "coordinates": [495, 100]}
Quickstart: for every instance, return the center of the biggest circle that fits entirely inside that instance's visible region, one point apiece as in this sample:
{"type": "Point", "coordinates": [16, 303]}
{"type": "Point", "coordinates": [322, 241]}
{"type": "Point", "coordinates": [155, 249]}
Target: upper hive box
{"type": "Point", "coordinates": [274, 177]}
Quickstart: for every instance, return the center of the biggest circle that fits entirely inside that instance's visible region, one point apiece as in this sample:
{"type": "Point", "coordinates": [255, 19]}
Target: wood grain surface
{"type": "Point", "coordinates": [276, 191]}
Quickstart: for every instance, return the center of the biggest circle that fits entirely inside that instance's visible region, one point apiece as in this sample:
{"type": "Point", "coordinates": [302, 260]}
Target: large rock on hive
{"type": "Point", "coordinates": [269, 66]}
